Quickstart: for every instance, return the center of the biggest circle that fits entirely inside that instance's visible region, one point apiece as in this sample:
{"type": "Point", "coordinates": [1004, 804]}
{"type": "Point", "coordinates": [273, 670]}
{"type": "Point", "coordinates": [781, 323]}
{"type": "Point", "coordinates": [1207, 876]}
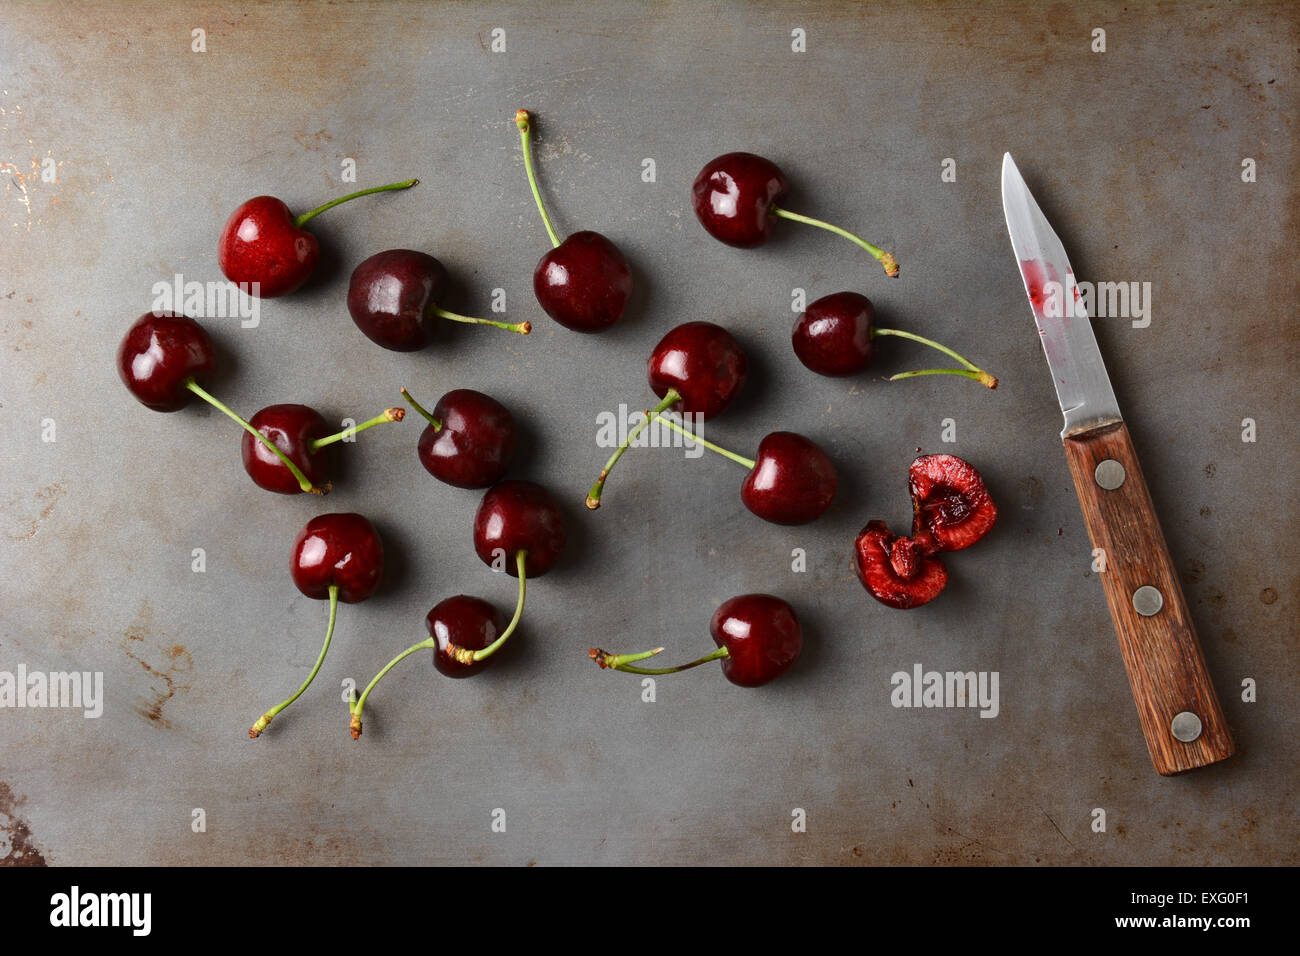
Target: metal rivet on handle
{"type": "Point", "coordinates": [1109, 474]}
{"type": "Point", "coordinates": [1147, 600]}
{"type": "Point", "coordinates": [1185, 726]}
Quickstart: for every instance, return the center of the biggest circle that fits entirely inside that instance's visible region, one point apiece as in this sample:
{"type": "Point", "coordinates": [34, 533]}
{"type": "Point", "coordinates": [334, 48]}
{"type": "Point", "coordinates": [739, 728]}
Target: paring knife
{"type": "Point", "coordinates": [1179, 711]}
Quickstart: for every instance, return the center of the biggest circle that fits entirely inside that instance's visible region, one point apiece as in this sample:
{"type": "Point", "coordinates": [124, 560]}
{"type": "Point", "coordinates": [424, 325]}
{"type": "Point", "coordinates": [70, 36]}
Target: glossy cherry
{"type": "Point", "coordinates": [159, 357]}
{"type": "Point", "coordinates": [758, 638]}
{"type": "Point", "coordinates": [584, 282]}
{"type": "Point", "coordinates": [469, 440]}
{"type": "Point", "coordinates": [737, 197]}
{"type": "Point", "coordinates": [792, 482]}
{"type": "Point", "coordinates": [393, 298]}
{"type": "Point", "coordinates": [462, 622]}
{"type": "Point", "coordinates": [519, 517]}
{"type": "Point", "coordinates": [338, 557]}
{"type": "Point", "coordinates": [294, 447]}
{"type": "Point", "coordinates": [836, 336]}
{"type": "Point", "coordinates": [264, 249]}
{"type": "Point", "coordinates": [702, 364]}
{"type": "Point", "coordinates": [696, 369]}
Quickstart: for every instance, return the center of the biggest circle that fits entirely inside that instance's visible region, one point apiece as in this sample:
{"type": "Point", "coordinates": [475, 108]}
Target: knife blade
{"type": "Point", "coordinates": [1177, 706]}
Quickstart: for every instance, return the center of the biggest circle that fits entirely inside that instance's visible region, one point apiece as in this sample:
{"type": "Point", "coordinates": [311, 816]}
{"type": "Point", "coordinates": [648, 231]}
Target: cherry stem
{"type": "Point", "coordinates": [303, 483]}
{"type": "Point", "coordinates": [364, 192]}
{"type": "Point", "coordinates": [464, 655]}
{"type": "Point", "coordinates": [257, 728]}
{"type": "Point", "coordinates": [886, 259]}
{"type": "Point", "coordinates": [593, 496]}
{"type": "Point", "coordinates": [355, 705]}
{"type": "Point", "coordinates": [388, 415]}
{"type": "Point", "coordinates": [437, 425]}
{"type": "Point", "coordinates": [461, 654]}
{"type": "Point", "coordinates": [738, 459]}
{"type": "Point", "coordinates": [523, 328]}
{"type": "Point", "coordinates": [624, 662]}
{"type": "Point", "coordinates": [524, 121]}
{"type": "Point", "coordinates": [972, 370]}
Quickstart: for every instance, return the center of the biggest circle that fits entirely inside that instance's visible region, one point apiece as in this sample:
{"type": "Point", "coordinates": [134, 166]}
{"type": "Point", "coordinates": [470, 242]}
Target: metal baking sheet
{"type": "Point", "coordinates": [1136, 153]}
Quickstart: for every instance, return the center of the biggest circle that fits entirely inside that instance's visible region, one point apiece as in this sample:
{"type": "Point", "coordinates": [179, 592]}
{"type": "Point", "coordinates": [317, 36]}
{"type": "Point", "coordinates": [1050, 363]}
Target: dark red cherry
{"type": "Point", "coordinates": [762, 636]}
{"type": "Point", "coordinates": [705, 365]}
{"type": "Point", "coordinates": [338, 549]}
{"type": "Point", "coordinates": [391, 298]}
{"type": "Point", "coordinates": [733, 197]}
{"type": "Point", "coordinates": [462, 621]}
{"type": "Point", "coordinates": [519, 515]}
{"type": "Point", "coordinates": [792, 482]}
{"type": "Point", "coordinates": [950, 502]}
{"type": "Point", "coordinates": [292, 429]}
{"type": "Point", "coordinates": [833, 336]}
{"type": "Point", "coordinates": [473, 447]}
{"type": "Point", "coordinates": [898, 572]}
{"type": "Point", "coordinates": [159, 354]}
{"type": "Point", "coordinates": [583, 283]}
{"type": "Point", "coordinates": [260, 244]}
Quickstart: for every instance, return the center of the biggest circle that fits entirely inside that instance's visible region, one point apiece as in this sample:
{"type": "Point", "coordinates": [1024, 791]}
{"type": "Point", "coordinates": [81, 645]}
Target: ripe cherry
{"type": "Point", "coordinates": [697, 369]}
{"type": "Point", "coordinates": [836, 336]}
{"type": "Point", "coordinates": [758, 638]}
{"type": "Point", "coordinates": [338, 557]}
{"type": "Point", "coordinates": [393, 299]}
{"type": "Point", "coordinates": [583, 283]}
{"type": "Point", "coordinates": [264, 249]}
{"type": "Point", "coordinates": [519, 528]}
{"type": "Point", "coordinates": [469, 439]}
{"type": "Point", "coordinates": [736, 198]}
{"type": "Point", "coordinates": [292, 454]}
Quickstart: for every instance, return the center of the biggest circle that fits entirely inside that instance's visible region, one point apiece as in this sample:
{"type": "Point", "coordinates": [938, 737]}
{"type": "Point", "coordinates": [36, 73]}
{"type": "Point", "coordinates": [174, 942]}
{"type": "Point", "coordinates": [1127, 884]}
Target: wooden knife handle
{"type": "Point", "coordinates": [1166, 667]}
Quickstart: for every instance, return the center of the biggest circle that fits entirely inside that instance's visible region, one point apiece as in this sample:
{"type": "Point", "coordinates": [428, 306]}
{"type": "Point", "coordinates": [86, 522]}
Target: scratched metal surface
{"type": "Point", "coordinates": [1135, 154]}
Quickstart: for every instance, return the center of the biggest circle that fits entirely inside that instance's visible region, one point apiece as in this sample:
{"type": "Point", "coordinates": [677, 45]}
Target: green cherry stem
{"type": "Point", "coordinates": [464, 655]}
{"type": "Point", "coordinates": [971, 371]}
{"type": "Point", "coordinates": [523, 328]}
{"type": "Point", "coordinates": [593, 496]}
{"type": "Point", "coordinates": [257, 728]}
{"type": "Point", "coordinates": [886, 259]}
{"type": "Point", "coordinates": [342, 199]}
{"type": "Point", "coordinates": [388, 415]}
{"type": "Point", "coordinates": [625, 662]}
{"type": "Point", "coordinates": [357, 704]}
{"type": "Point", "coordinates": [524, 121]}
{"type": "Point", "coordinates": [738, 459]}
{"type": "Point", "coordinates": [437, 425]}
{"type": "Point", "coordinates": [303, 483]}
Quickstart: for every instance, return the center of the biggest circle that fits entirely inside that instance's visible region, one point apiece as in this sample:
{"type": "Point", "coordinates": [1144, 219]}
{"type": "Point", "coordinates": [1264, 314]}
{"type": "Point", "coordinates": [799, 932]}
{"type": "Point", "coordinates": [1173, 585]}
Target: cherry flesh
{"type": "Point", "coordinates": [898, 572]}
{"type": "Point", "coordinates": [737, 196]}
{"type": "Point", "coordinates": [792, 482]}
{"type": "Point", "coordinates": [758, 638]}
{"type": "Point", "coordinates": [469, 440]}
{"type": "Point", "coordinates": [160, 354]}
{"type": "Point", "coordinates": [836, 336]}
{"type": "Point", "coordinates": [517, 516]}
{"type": "Point", "coordinates": [264, 249]}
{"type": "Point", "coordinates": [950, 502]}
{"type": "Point", "coordinates": [393, 299]}
{"type": "Point", "coordinates": [584, 282]}
{"type": "Point", "coordinates": [462, 622]}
